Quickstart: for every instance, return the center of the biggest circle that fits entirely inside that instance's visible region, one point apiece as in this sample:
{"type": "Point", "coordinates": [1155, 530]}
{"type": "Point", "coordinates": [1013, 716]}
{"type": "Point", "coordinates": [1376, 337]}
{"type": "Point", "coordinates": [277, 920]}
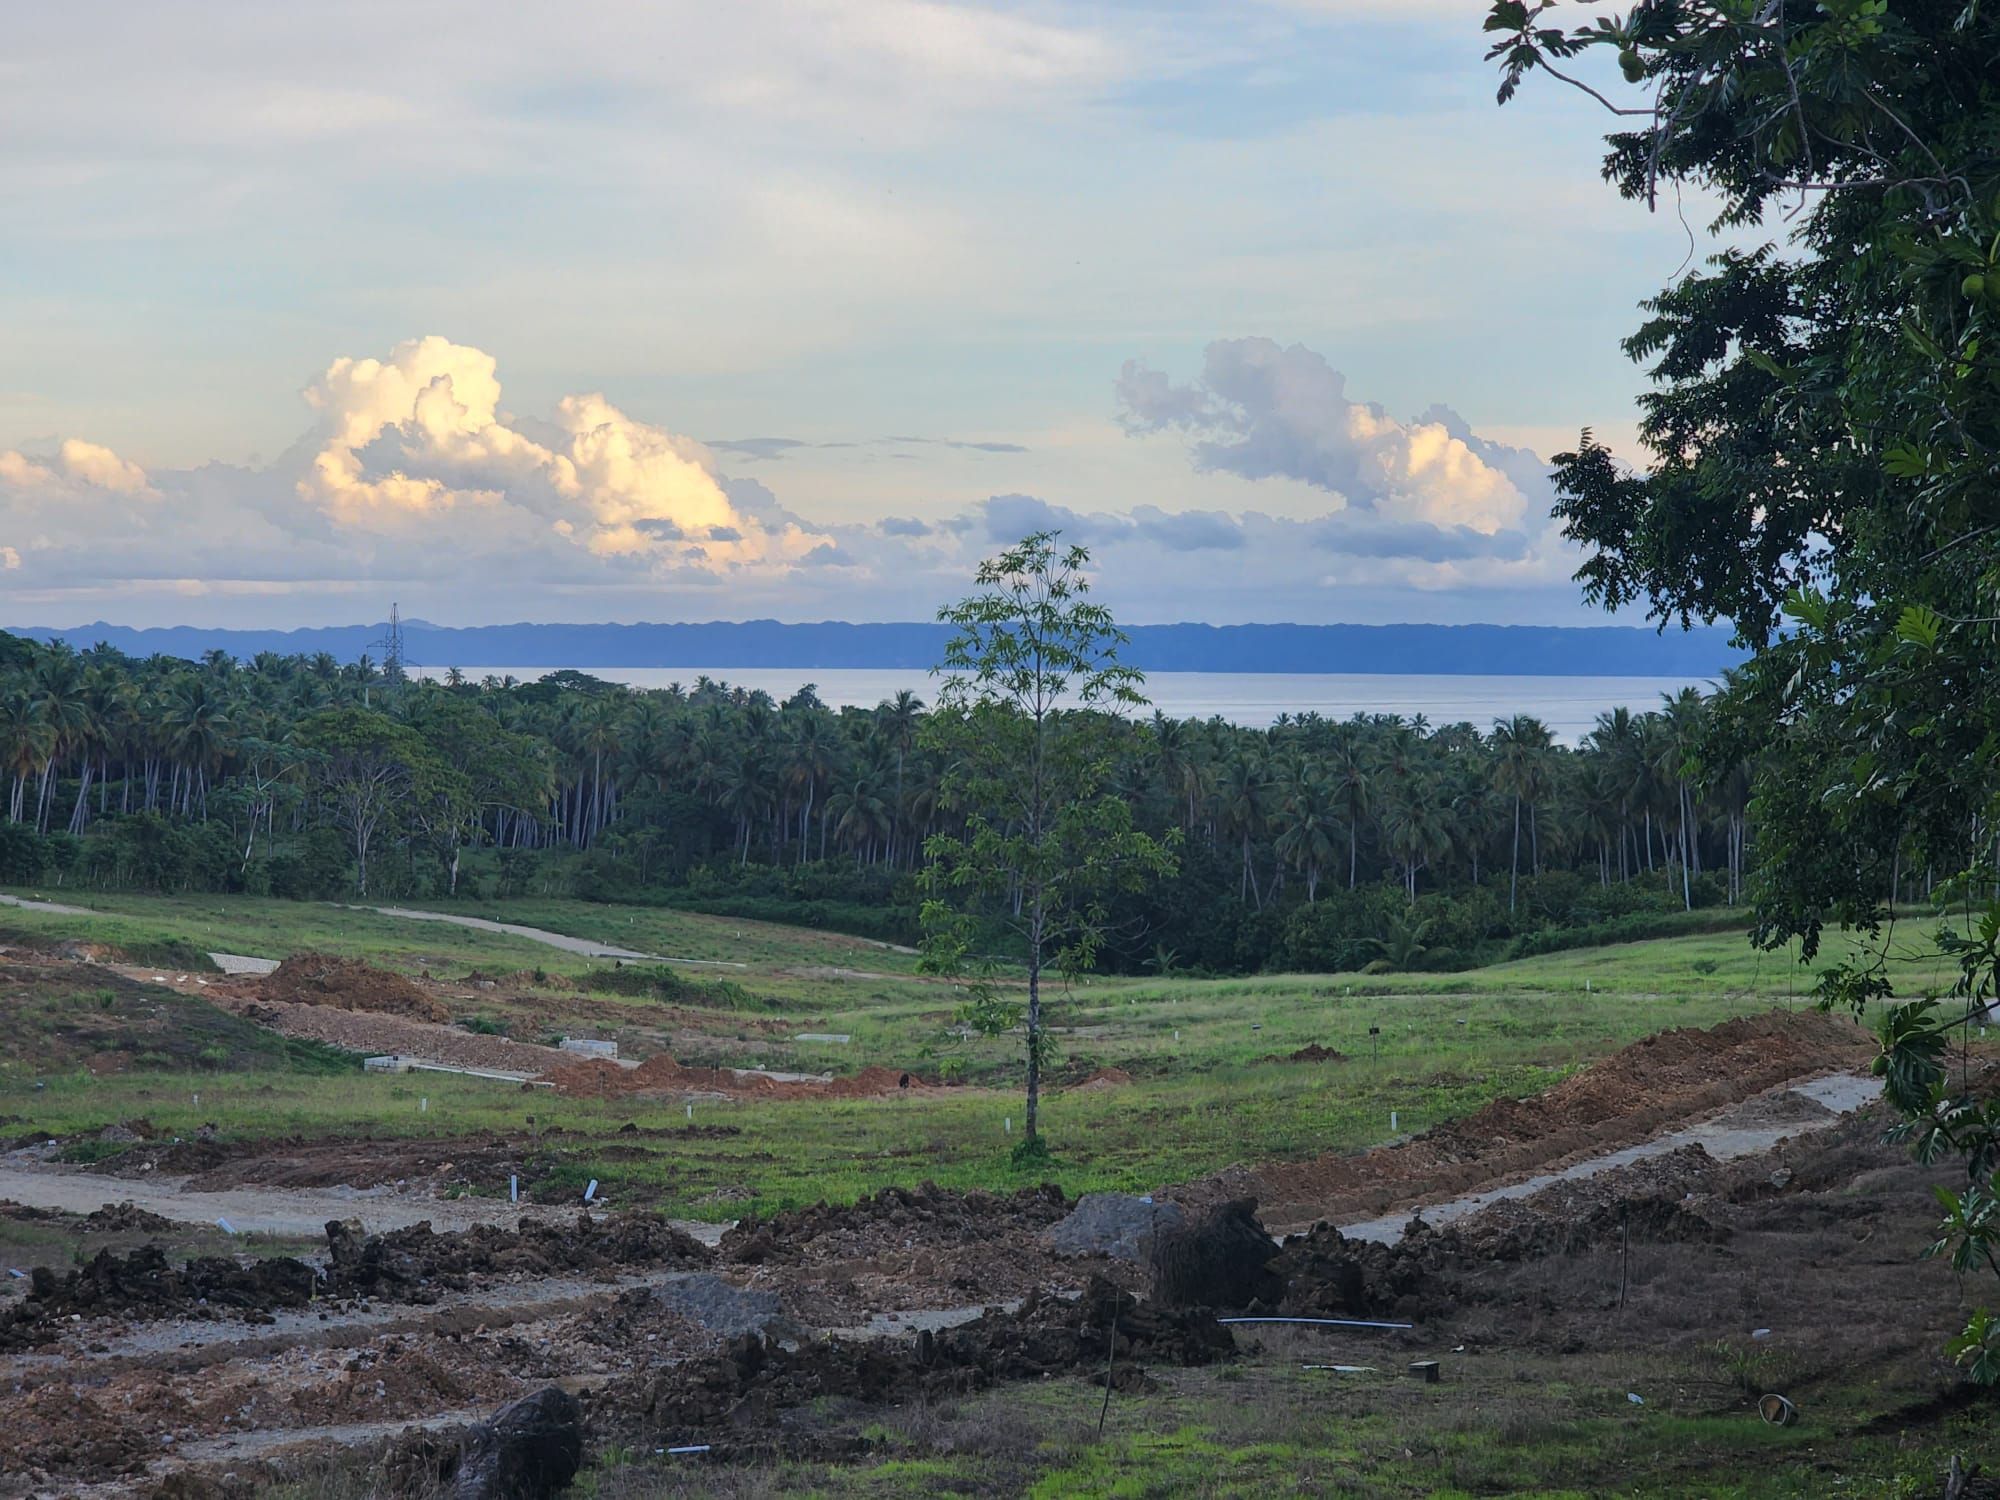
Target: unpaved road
{"type": "Point", "coordinates": [293, 1212]}
{"type": "Point", "coordinates": [582, 946]}
{"type": "Point", "coordinates": [1840, 1093]}
{"type": "Point", "coordinates": [50, 906]}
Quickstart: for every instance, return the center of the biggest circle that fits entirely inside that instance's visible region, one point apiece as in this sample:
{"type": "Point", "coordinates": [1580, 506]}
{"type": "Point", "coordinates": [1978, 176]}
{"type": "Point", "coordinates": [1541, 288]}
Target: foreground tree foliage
{"type": "Point", "coordinates": [1825, 471]}
{"type": "Point", "coordinates": [1031, 667]}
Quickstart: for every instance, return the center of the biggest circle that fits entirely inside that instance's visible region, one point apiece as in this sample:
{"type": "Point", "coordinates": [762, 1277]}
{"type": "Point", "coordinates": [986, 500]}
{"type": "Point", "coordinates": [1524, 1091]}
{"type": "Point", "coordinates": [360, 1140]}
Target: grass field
{"type": "Point", "coordinates": [1210, 1086]}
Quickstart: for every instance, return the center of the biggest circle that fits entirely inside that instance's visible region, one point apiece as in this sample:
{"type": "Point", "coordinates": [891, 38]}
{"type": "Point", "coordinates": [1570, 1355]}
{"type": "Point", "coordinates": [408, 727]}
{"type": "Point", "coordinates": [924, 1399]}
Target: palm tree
{"type": "Point", "coordinates": [1418, 829]}
{"type": "Point", "coordinates": [1307, 839]}
{"type": "Point", "coordinates": [1522, 744]}
{"type": "Point", "coordinates": [1245, 798]}
{"type": "Point", "coordinates": [1351, 788]}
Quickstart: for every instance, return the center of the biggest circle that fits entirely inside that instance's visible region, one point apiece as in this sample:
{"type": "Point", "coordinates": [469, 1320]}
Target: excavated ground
{"type": "Point", "coordinates": [671, 1343]}
{"type": "Point", "coordinates": [1628, 1097]}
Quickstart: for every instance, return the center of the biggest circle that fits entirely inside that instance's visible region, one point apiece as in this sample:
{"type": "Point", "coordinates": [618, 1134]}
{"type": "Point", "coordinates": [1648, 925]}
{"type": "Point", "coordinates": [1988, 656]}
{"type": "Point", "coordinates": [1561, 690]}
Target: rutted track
{"type": "Point", "coordinates": [291, 1212]}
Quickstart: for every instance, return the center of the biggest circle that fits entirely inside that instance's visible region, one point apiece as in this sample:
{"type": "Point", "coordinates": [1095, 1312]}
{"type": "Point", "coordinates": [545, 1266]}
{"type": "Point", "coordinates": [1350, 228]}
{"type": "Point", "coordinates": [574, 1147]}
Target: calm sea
{"type": "Point", "coordinates": [1568, 705]}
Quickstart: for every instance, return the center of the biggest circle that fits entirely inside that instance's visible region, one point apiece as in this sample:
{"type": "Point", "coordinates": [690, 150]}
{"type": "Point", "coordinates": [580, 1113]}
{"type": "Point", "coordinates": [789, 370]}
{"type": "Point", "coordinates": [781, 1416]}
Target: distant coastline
{"type": "Point", "coordinates": [1393, 650]}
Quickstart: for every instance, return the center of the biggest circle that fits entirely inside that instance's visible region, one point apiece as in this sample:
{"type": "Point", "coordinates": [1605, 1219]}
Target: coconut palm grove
{"type": "Point", "coordinates": [1376, 841]}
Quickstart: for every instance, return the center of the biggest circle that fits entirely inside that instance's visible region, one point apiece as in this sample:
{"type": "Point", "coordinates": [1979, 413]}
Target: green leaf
{"type": "Point", "coordinates": [1919, 625]}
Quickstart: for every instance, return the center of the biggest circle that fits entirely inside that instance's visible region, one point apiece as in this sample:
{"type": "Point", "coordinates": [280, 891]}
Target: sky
{"type": "Point", "coordinates": [795, 309]}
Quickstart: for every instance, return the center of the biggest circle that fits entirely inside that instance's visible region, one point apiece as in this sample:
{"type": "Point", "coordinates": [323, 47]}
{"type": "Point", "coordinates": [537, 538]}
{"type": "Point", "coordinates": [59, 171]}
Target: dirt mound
{"type": "Point", "coordinates": [1103, 1078]}
{"type": "Point", "coordinates": [1313, 1052]}
{"type": "Point", "coordinates": [892, 1218]}
{"type": "Point", "coordinates": [1326, 1275]}
{"type": "Point", "coordinates": [1221, 1259]}
{"type": "Point", "coordinates": [662, 1073]}
{"type": "Point", "coordinates": [143, 1286]}
{"type": "Point", "coordinates": [418, 1265]}
{"type": "Point", "coordinates": [125, 1218]}
{"type": "Point", "coordinates": [1626, 1097]}
{"type": "Point", "coordinates": [349, 984]}
{"type": "Point", "coordinates": [738, 1397]}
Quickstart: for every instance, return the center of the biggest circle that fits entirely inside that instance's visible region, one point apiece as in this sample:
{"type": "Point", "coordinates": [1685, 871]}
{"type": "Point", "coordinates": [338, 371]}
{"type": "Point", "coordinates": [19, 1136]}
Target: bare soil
{"type": "Point", "coordinates": [1628, 1097]}
{"type": "Point", "coordinates": [348, 984]}
{"type": "Point", "coordinates": [1815, 1241]}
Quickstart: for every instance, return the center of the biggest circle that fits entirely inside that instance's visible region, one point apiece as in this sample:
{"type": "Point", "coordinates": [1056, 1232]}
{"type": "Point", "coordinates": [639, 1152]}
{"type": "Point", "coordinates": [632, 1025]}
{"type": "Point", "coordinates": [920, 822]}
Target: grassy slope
{"type": "Point", "coordinates": [1509, 1424]}
{"type": "Point", "coordinates": [1205, 1092]}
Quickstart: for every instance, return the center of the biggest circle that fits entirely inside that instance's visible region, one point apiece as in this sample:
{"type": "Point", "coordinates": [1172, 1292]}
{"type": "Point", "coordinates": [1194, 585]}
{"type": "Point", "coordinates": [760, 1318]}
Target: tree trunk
{"type": "Point", "coordinates": [1514, 873]}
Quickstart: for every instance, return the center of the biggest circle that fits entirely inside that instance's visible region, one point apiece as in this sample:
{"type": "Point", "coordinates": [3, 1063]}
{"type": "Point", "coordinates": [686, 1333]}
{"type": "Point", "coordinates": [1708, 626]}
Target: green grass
{"type": "Point", "coordinates": [1207, 1092]}
{"type": "Point", "coordinates": [1516, 1425]}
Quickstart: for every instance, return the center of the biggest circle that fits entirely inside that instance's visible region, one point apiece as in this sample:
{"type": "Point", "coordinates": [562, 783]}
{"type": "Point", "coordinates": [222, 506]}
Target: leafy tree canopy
{"type": "Point", "coordinates": [1824, 470]}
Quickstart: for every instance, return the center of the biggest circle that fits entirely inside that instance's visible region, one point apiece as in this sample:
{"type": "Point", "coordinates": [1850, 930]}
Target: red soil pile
{"type": "Point", "coordinates": [1314, 1052]}
{"type": "Point", "coordinates": [349, 984]}
{"type": "Point", "coordinates": [598, 1079]}
{"type": "Point", "coordinates": [1627, 1097]}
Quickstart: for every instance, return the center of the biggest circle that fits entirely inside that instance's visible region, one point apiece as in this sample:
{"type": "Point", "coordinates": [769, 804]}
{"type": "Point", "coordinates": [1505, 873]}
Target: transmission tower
{"type": "Point", "coordinates": [395, 659]}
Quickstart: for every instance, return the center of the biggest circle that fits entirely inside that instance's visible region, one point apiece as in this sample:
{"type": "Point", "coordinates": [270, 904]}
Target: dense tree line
{"type": "Point", "coordinates": [305, 776]}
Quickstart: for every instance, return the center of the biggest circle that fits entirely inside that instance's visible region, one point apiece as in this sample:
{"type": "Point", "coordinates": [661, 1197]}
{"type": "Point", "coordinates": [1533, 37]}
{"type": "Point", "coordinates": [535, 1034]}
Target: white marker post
{"type": "Point", "coordinates": [513, 1189]}
{"type": "Point", "coordinates": [591, 1191]}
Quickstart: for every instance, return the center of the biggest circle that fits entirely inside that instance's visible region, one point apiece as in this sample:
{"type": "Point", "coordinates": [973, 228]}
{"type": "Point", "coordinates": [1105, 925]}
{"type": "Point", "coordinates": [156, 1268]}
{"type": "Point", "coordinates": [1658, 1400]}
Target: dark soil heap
{"type": "Point", "coordinates": [418, 1265]}
{"type": "Point", "coordinates": [738, 1396]}
{"type": "Point", "coordinates": [143, 1285]}
{"type": "Point", "coordinates": [1221, 1259]}
{"type": "Point", "coordinates": [349, 984]}
{"type": "Point", "coordinates": [933, 1216]}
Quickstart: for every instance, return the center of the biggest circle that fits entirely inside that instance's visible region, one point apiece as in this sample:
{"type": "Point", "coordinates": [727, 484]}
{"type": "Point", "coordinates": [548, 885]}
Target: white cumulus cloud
{"type": "Point", "coordinates": [1261, 410]}
{"type": "Point", "coordinates": [422, 433]}
{"type": "Point", "coordinates": [77, 465]}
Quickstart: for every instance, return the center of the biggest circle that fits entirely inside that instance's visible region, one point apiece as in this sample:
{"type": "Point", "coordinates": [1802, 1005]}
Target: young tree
{"type": "Point", "coordinates": [1029, 674]}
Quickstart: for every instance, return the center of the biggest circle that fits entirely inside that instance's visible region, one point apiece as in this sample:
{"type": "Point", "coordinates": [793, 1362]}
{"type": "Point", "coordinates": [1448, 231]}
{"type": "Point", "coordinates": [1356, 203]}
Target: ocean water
{"type": "Point", "coordinates": [1568, 705]}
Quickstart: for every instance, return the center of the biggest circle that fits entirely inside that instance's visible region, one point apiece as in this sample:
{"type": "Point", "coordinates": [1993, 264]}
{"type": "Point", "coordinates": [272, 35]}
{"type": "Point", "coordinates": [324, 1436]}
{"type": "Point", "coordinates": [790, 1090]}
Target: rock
{"type": "Point", "coordinates": [1782, 1178]}
{"type": "Point", "coordinates": [1222, 1260]}
{"type": "Point", "coordinates": [1114, 1224]}
{"type": "Point", "coordinates": [527, 1451]}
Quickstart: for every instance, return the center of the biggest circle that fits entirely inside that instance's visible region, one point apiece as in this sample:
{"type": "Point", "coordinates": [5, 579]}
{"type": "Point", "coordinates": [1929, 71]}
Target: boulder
{"type": "Point", "coordinates": [527, 1451]}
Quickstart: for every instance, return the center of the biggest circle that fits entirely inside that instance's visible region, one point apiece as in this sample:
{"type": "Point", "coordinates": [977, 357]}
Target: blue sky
{"type": "Point", "coordinates": [793, 308]}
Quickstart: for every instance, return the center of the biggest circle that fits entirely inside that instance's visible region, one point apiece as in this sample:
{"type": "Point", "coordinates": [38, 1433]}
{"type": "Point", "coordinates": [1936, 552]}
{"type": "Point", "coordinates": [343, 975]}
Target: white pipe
{"type": "Point", "coordinates": [1321, 1322]}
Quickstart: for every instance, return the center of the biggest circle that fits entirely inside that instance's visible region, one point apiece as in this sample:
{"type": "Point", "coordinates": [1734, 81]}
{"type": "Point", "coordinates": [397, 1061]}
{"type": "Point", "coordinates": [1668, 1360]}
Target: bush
{"type": "Point", "coordinates": [21, 854]}
{"type": "Point", "coordinates": [1632, 929]}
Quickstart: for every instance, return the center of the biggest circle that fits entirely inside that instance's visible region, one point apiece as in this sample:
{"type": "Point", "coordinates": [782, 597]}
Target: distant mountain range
{"type": "Point", "coordinates": [1483, 650]}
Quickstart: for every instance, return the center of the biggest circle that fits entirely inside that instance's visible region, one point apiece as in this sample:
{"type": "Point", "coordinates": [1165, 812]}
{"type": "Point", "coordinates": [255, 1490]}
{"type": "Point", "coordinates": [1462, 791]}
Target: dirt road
{"type": "Point", "coordinates": [49, 906]}
{"type": "Point", "coordinates": [1724, 1137]}
{"type": "Point", "coordinates": [283, 1211]}
{"type": "Point", "coordinates": [582, 946]}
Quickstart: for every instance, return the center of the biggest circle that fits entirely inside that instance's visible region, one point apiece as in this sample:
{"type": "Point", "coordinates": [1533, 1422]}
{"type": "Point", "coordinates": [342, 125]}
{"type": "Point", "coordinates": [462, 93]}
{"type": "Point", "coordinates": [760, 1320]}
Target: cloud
{"type": "Point", "coordinates": [1263, 411]}
{"type": "Point", "coordinates": [759, 447]}
{"type": "Point", "coordinates": [422, 433]}
{"type": "Point", "coordinates": [416, 483]}
{"type": "Point", "coordinates": [1190, 530]}
{"type": "Point", "coordinates": [771, 448]}
{"type": "Point", "coordinates": [77, 466]}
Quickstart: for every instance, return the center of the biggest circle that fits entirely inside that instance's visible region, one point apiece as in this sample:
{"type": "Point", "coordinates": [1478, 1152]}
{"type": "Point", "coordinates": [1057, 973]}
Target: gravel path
{"type": "Point", "coordinates": [296, 1212]}
{"type": "Point", "coordinates": [582, 946]}
{"type": "Point", "coordinates": [1840, 1093]}
{"type": "Point", "coordinates": [54, 906]}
